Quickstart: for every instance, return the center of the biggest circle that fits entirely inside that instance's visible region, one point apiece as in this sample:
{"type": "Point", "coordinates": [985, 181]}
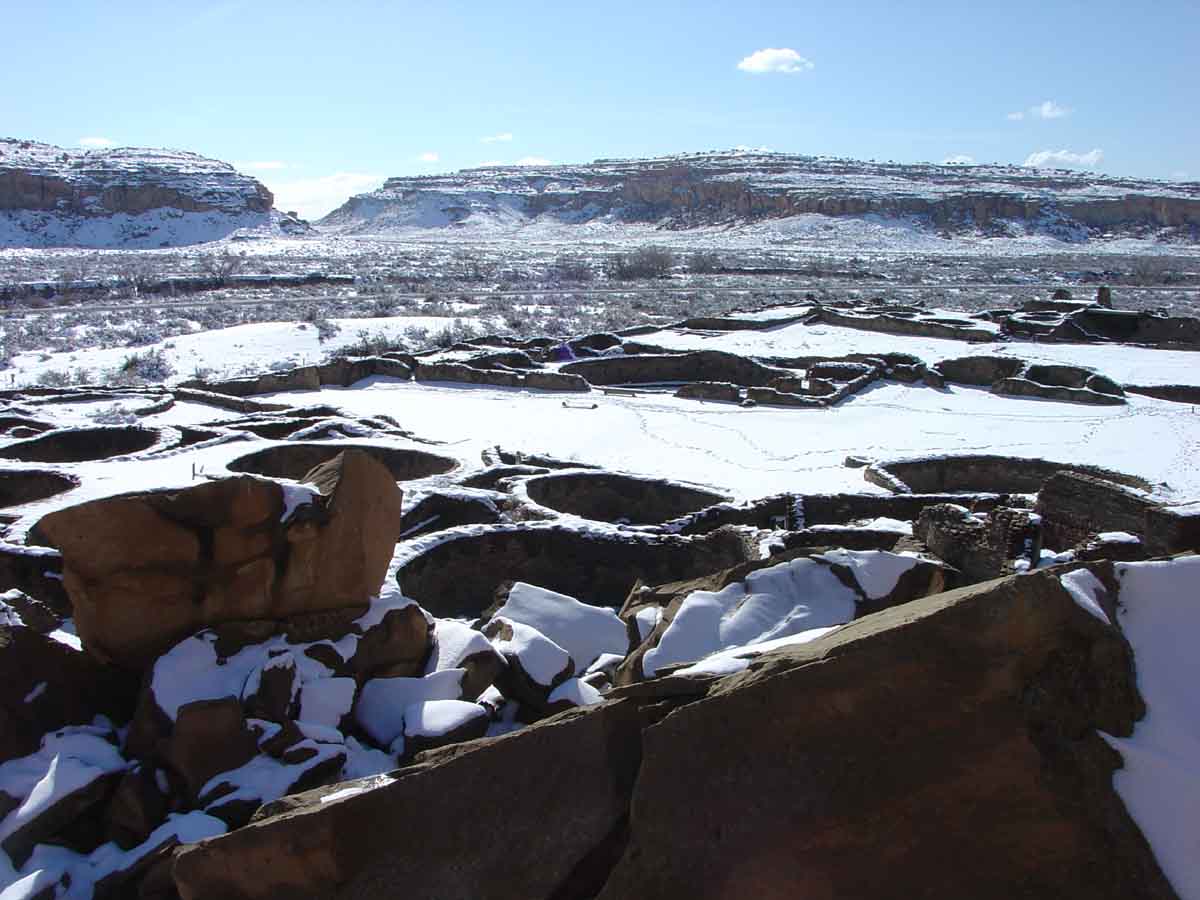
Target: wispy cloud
{"type": "Point", "coordinates": [260, 165]}
{"type": "Point", "coordinates": [502, 138]}
{"type": "Point", "coordinates": [1047, 109]}
{"type": "Point", "coordinates": [428, 156]}
{"type": "Point", "coordinates": [314, 197]}
{"type": "Point", "coordinates": [533, 161]}
{"type": "Point", "coordinates": [96, 143]}
{"type": "Point", "coordinates": [1064, 159]}
{"type": "Point", "coordinates": [783, 60]}
{"type": "Point", "coordinates": [960, 159]}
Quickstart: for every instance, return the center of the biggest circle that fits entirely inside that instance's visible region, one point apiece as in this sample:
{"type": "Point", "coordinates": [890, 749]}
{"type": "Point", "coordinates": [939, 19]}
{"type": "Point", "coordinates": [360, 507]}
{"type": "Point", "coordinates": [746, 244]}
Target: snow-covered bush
{"type": "Point", "coordinates": [651, 261]}
{"type": "Point", "coordinates": [138, 368]}
{"type": "Point", "coordinates": [113, 415]}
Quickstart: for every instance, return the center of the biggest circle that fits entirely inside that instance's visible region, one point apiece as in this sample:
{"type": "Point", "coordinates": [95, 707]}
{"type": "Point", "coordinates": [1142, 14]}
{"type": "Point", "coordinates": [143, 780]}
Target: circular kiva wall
{"type": "Point", "coordinates": [297, 460]}
{"type": "Point", "coordinates": [607, 497]}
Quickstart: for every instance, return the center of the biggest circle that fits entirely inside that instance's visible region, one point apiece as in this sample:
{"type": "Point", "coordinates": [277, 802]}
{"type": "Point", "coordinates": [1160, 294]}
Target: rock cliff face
{"type": "Point", "coordinates": [720, 188]}
{"type": "Point", "coordinates": [50, 196]}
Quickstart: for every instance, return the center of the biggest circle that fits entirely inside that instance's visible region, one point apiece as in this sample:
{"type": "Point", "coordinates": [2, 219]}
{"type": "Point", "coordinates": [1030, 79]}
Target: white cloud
{"type": "Point", "coordinates": [1048, 109]}
{"type": "Point", "coordinates": [1064, 159]}
{"type": "Point", "coordinates": [314, 197]}
{"type": "Point", "coordinates": [428, 157]}
{"type": "Point", "coordinates": [502, 138]}
{"type": "Point", "coordinates": [960, 159]}
{"type": "Point", "coordinates": [782, 59]}
{"type": "Point", "coordinates": [262, 165]}
{"type": "Point", "coordinates": [490, 162]}
{"type": "Point", "coordinates": [533, 161]}
{"type": "Point", "coordinates": [95, 143]}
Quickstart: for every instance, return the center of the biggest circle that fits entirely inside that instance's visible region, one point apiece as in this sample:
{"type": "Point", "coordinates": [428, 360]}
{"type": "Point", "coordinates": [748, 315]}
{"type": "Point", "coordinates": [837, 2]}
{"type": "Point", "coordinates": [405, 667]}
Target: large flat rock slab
{"type": "Point", "coordinates": [510, 817]}
{"type": "Point", "coordinates": [944, 748]}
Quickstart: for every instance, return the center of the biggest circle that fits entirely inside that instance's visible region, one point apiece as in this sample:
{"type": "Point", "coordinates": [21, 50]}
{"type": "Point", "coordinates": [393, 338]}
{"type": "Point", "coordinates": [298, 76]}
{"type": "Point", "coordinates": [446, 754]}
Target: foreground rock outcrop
{"type": "Point", "coordinates": [435, 829]}
{"type": "Point", "coordinates": [972, 768]}
{"type": "Point", "coordinates": [143, 570]}
{"type": "Point", "coordinates": [945, 747]}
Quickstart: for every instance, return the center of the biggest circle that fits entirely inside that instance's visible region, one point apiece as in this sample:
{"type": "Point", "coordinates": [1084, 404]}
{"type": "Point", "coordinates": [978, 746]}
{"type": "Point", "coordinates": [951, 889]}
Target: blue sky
{"type": "Point", "coordinates": [322, 100]}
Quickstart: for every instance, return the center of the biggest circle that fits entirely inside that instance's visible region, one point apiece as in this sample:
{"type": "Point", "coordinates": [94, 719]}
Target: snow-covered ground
{"type": "Point", "coordinates": [226, 352]}
{"type": "Point", "coordinates": [745, 453]}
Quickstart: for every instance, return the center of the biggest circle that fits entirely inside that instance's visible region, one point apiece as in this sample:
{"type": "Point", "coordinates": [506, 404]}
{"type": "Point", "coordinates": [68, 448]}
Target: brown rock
{"type": "Point", "coordinates": [515, 681]}
{"type": "Point", "coordinates": [357, 544]}
{"type": "Point", "coordinates": [139, 580]}
{"type": "Point", "coordinates": [399, 643]}
{"type": "Point", "coordinates": [34, 613]}
{"type": "Point", "coordinates": [361, 846]}
{"type": "Point", "coordinates": [482, 671]}
{"type": "Point", "coordinates": [310, 769]}
{"type": "Point", "coordinates": [37, 572]}
{"type": "Point", "coordinates": [973, 769]}
{"type": "Point", "coordinates": [65, 813]}
{"type": "Point", "coordinates": [210, 737]}
{"type": "Point", "coordinates": [138, 806]}
{"type": "Point", "coordinates": [470, 729]}
{"type": "Point", "coordinates": [45, 684]}
{"type": "Point", "coordinates": [274, 694]}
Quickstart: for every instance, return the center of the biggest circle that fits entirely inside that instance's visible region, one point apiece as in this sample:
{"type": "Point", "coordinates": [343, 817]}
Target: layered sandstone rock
{"type": "Point", "coordinates": [437, 830]}
{"type": "Point", "coordinates": [52, 196]}
{"type": "Point", "coordinates": [705, 188]}
{"type": "Point", "coordinates": [143, 570]}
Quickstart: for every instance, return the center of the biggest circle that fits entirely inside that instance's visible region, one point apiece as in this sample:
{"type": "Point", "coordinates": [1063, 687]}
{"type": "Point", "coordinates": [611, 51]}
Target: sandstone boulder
{"type": "Point", "coordinates": [439, 723]}
{"type": "Point", "coordinates": [346, 564]}
{"type": "Point", "coordinates": [59, 792]}
{"type": "Point", "coordinates": [535, 664]}
{"type": "Point", "coordinates": [46, 684]}
{"type": "Point", "coordinates": [457, 645]}
{"type": "Point", "coordinates": [357, 840]}
{"type": "Point", "coordinates": [138, 806]}
{"type": "Point", "coordinates": [145, 569]}
{"type": "Point", "coordinates": [37, 572]}
{"type": "Point", "coordinates": [870, 786]}
{"type": "Point", "coordinates": [398, 644]}
{"type": "Point", "coordinates": [210, 737]}
{"type": "Point", "coordinates": [773, 599]}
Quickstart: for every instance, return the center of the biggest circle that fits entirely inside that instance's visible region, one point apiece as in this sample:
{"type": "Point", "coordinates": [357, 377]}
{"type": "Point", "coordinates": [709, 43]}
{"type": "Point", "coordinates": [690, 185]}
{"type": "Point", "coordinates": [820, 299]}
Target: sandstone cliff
{"type": "Point", "coordinates": [722, 188]}
{"type": "Point", "coordinates": [123, 197]}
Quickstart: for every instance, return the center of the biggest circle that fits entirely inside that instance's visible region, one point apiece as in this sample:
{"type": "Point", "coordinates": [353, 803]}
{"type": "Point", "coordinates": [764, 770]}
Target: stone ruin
{"type": "Point", "coordinates": [312, 674]}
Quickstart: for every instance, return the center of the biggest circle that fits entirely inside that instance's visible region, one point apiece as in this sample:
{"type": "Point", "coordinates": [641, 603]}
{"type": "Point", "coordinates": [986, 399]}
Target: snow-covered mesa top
{"type": "Point", "coordinates": [129, 198]}
{"type": "Point", "coordinates": [706, 188]}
